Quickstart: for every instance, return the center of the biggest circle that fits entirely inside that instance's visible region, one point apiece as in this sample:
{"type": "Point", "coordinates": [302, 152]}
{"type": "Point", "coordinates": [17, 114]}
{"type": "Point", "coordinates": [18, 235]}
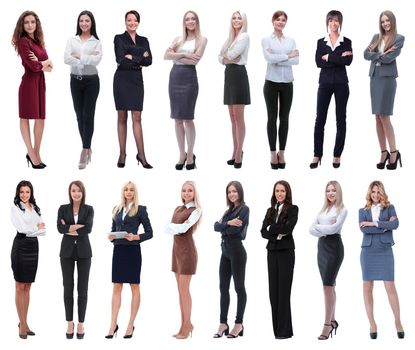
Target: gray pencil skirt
{"type": "Point", "coordinates": [382, 94]}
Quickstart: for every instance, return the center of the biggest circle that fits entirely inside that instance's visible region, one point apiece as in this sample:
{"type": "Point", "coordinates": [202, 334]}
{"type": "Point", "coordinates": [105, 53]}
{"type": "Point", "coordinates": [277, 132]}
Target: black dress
{"type": "Point", "coordinates": [126, 259]}
{"type": "Point", "coordinates": [128, 79]}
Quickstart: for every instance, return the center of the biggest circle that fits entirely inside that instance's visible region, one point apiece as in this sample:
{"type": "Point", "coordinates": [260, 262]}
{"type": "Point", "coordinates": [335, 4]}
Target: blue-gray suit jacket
{"type": "Point", "coordinates": [385, 64]}
{"type": "Point", "coordinates": [384, 228]}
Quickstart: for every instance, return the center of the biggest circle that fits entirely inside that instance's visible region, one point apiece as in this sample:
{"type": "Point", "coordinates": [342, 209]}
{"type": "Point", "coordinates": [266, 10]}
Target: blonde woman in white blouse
{"type": "Point", "coordinates": [83, 53]}
{"type": "Point", "coordinates": [234, 54]}
{"type": "Point", "coordinates": [25, 216]}
{"type": "Point", "coordinates": [281, 53]}
{"type": "Point", "coordinates": [327, 226]}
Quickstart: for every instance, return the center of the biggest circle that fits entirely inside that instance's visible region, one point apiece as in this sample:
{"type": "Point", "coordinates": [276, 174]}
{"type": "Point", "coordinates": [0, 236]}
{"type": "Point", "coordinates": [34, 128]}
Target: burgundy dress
{"type": "Point", "coordinates": [32, 89]}
{"type": "Point", "coordinates": [184, 259]}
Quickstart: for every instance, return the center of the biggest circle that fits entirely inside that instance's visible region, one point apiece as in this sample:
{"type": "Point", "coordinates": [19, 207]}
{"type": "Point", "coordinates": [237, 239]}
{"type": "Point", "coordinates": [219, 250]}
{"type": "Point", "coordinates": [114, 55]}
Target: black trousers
{"type": "Point", "coordinates": [85, 90]}
{"type": "Point", "coordinates": [68, 266]}
{"type": "Point", "coordinates": [232, 264]}
{"type": "Point", "coordinates": [274, 93]}
{"type": "Point", "coordinates": [280, 278]}
{"type": "Point", "coordinates": [341, 96]}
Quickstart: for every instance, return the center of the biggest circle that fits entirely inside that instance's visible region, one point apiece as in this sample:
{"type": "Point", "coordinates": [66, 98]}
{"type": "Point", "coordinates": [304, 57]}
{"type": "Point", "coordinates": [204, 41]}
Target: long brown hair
{"type": "Point", "coordinates": [391, 37]}
{"type": "Point", "coordinates": [19, 31]}
{"type": "Point", "coordinates": [81, 186]}
{"type": "Point", "coordinates": [288, 203]}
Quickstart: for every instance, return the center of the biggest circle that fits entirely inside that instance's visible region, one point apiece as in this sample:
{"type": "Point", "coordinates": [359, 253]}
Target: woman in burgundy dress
{"type": "Point", "coordinates": [183, 224]}
{"type": "Point", "coordinates": [29, 44]}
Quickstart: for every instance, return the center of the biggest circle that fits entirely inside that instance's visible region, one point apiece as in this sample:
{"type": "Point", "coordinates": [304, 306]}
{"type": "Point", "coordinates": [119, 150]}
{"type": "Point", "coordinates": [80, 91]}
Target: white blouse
{"type": "Point", "coordinates": [177, 229]}
{"type": "Point", "coordinates": [26, 221]}
{"type": "Point", "coordinates": [89, 51]}
{"type": "Point", "coordinates": [189, 46]}
{"type": "Point", "coordinates": [328, 222]}
{"type": "Point", "coordinates": [239, 47]}
{"type": "Point", "coordinates": [276, 52]}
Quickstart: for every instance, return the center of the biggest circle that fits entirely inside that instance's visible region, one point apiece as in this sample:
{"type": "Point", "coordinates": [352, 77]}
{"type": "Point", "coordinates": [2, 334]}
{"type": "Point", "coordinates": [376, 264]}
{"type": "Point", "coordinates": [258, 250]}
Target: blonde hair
{"type": "Point", "coordinates": [339, 198]}
{"type": "Point", "coordinates": [134, 205]}
{"type": "Point", "coordinates": [384, 202]}
{"type": "Point", "coordinates": [185, 34]}
{"type": "Point", "coordinates": [232, 38]}
{"type": "Point", "coordinates": [196, 199]}
{"type": "Point", "coordinates": [390, 39]}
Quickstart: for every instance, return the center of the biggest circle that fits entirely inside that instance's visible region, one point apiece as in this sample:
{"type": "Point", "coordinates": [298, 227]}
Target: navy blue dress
{"type": "Point", "coordinates": [126, 258]}
{"type": "Point", "coordinates": [128, 79]}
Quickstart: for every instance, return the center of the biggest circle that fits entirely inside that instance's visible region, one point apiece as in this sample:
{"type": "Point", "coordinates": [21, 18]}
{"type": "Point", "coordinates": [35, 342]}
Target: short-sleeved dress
{"type": "Point", "coordinates": [32, 90]}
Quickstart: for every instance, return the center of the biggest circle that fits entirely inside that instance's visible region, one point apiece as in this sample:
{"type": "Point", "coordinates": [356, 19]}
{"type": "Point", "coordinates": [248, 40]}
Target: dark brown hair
{"type": "Point", "coordinates": [81, 186]}
{"type": "Point", "coordinates": [19, 31]}
{"type": "Point", "coordinates": [277, 14]}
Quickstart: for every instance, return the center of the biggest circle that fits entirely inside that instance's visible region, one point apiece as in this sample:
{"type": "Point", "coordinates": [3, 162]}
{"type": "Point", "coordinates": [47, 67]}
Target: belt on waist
{"type": "Point", "coordinates": [82, 77]}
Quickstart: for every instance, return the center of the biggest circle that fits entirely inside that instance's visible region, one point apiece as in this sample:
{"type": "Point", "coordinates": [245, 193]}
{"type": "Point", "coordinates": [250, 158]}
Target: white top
{"type": "Point", "coordinates": [126, 210]}
{"type": "Point", "coordinates": [177, 229]}
{"type": "Point", "coordinates": [239, 47]}
{"type": "Point", "coordinates": [26, 221]}
{"type": "Point", "coordinates": [376, 209]}
{"type": "Point", "coordinates": [328, 222]}
{"type": "Point", "coordinates": [89, 51]}
{"type": "Point", "coordinates": [75, 219]}
{"type": "Point", "coordinates": [279, 68]}
{"type": "Point", "coordinates": [339, 40]}
{"type": "Point", "coordinates": [189, 46]}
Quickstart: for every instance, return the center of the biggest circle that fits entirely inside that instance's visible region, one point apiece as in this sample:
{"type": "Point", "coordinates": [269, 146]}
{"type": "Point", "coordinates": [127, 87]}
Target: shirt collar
{"type": "Point", "coordinates": [190, 205]}
{"type": "Point", "coordinates": [274, 36]}
{"type": "Point", "coordinates": [340, 39]}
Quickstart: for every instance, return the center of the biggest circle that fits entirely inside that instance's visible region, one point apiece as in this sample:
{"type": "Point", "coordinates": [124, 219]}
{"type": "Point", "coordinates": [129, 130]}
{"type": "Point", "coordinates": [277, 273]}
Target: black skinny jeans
{"type": "Point", "coordinates": [341, 96]}
{"type": "Point", "coordinates": [85, 90]}
{"type": "Point", "coordinates": [232, 263]}
{"type": "Point", "coordinates": [274, 92]}
{"type": "Point", "coordinates": [83, 266]}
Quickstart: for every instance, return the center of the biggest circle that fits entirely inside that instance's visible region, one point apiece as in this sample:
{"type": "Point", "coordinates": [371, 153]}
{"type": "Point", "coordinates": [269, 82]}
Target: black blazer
{"type": "Point", "coordinates": [334, 70]}
{"type": "Point", "coordinates": [130, 224]}
{"type": "Point", "coordinates": [233, 232]}
{"type": "Point", "coordinates": [124, 45]}
{"type": "Point", "coordinates": [80, 242]}
{"type": "Point", "coordinates": [271, 229]}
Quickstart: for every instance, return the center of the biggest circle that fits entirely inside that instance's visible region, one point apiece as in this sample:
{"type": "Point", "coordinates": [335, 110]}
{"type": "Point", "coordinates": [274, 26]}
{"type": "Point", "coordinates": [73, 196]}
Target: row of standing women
{"type": "Point", "coordinates": [377, 220]}
{"type": "Point", "coordinates": [83, 53]}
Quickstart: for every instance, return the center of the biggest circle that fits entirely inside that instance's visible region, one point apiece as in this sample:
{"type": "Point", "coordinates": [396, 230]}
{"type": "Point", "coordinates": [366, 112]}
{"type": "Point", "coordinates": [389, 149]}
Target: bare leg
{"type": "Point", "coordinates": [186, 304]}
{"type": "Point", "coordinates": [190, 132]}
{"type": "Point", "coordinates": [122, 134]}
{"type": "Point", "coordinates": [19, 299]}
{"type": "Point", "coordinates": [25, 131]}
{"type": "Point", "coordinates": [26, 302]}
{"type": "Point", "coordinates": [330, 307]}
{"type": "Point", "coordinates": [180, 136]}
{"type": "Point", "coordinates": [135, 304]}
{"type": "Point", "coordinates": [238, 112]}
{"type": "Point", "coordinates": [233, 125]}
{"type": "Point", "coordinates": [281, 156]}
{"type": "Point", "coordinates": [181, 307]}
{"type": "Point", "coordinates": [115, 306]}
{"type": "Point", "coordinates": [138, 135]}
{"type": "Point", "coordinates": [368, 299]}
{"type": "Point", "coordinates": [394, 303]}
{"type": "Point", "coordinates": [389, 135]}
{"type": "Point", "coordinates": [38, 134]}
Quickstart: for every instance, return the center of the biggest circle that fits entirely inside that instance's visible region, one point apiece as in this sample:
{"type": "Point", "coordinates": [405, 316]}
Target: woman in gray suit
{"type": "Point", "coordinates": [382, 52]}
{"type": "Point", "coordinates": [377, 220]}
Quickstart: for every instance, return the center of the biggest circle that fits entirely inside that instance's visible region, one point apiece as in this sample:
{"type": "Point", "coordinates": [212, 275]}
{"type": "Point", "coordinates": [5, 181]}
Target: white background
{"type": "Point", "coordinates": [159, 189]}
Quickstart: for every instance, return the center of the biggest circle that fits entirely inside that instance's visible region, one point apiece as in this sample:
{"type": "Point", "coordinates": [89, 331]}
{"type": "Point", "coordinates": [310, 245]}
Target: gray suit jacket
{"type": "Point", "coordinates": [385, 64]}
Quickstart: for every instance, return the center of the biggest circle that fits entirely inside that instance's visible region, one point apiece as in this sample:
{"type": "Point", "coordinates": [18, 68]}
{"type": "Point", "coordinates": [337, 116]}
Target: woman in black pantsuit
{"type": "Point", "coordinates": [277, 228]}
{"type": "Point", "coordinates": [132, 52]}
{"type": "Point", "coordinates": [327, 226]}
{"type": "Point", "coordinates": [25, 216]}
{"type": "Point", "coordinates": [333, 54]}
{"type": "Point", "coordinates": [126, 259]}
{"type": "Point", "coordinates": [75, 223]}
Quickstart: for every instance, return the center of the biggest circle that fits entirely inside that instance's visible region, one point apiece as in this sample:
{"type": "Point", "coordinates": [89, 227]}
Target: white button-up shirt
{"type": "Point", "coordinates": [89, 51]}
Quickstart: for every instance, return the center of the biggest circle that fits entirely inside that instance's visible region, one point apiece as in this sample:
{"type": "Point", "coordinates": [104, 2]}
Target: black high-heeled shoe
{"type": "Point", "coordinates": [70, 335]}
{"type": "Point", "coordinates": [28, 332]}
{"type": "Point", "coordinates": [239, 334]}
{"type": "Point", "coordinates": [335, 325]}
{"type": "Point", "coordinates": [393, 166]}
{"type": "Point", "coordinates": [114, 334]}
{"type": "Point", "coordinates": [336, 165]}
{"type": "Point", "coordinates": [279, 164]}
{"type": "Point", "coordinates": [373, 335]}
{"type": "Point", "coordinates": [121, 161]}
{"type": "Point", "coordinates": [400, 334]}
{"type": "Point", "coordinates": [381, 165]}
{"type": "Point", "coordinates": [129, 336]}
{"type": "Point", "coordinates": [314, 165]}
{"type": "Point", "coordinates": [193, 165]}
{"type": "Point", "coordinates": [180, 166]}
{"type": "Point", "coordinates": [34, 166]}
{"type": "Point", "coordinates": [329, 334]}
{"type": "Point", "coordinates": [225, 331]}
{"type": "Point", "coordinates": [145, 165]}
{"type": "Point", "coordinates": [232, 161]}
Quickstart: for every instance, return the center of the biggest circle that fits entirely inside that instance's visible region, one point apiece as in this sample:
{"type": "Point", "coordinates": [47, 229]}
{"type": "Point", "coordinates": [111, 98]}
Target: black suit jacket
{"type": "Point", "coordinates": [271, 229]}
{"type": "Point", "coordinates": [124, 45]}
{"type": "Point", "coordinates": [130, 224]}
{"type": "Point", "coordinates": [334, 70]}
{"type": "Point", "coordinates": [80, 242]}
